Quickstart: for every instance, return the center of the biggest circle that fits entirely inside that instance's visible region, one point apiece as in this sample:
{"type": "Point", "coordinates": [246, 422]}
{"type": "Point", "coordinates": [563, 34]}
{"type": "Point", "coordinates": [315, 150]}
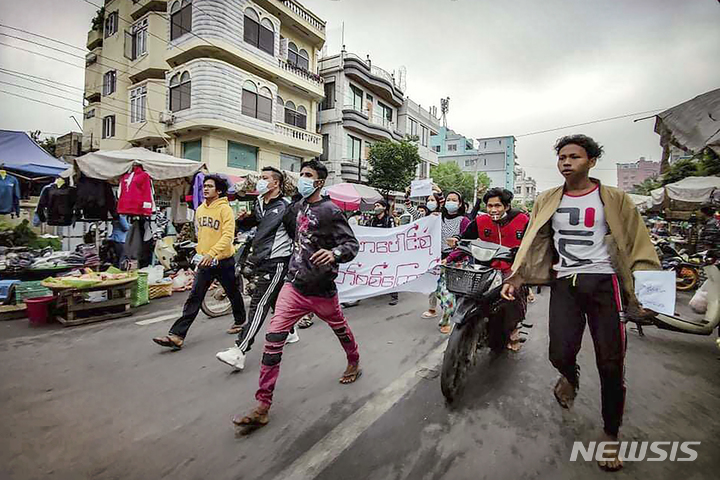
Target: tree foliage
{"type": "Point", "coordinates": [647, 186]}
{"type": "Point", "coordinates": [448, 176]}
{"type": "Point", "coordinates": [49, 144]}
{"type": "Point", "coordinates": [392, 165]}
{"type": "Point", "coordinates": [686, 167]}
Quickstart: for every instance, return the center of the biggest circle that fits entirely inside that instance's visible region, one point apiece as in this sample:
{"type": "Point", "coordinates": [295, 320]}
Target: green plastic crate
{"type": "Point", "coordinates": [139, 294]}
{"type": "Point", "coordinates": [33, 289]}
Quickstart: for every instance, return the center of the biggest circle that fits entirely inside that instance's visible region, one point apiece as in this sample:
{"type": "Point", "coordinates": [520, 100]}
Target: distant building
{"type": "Point", "coordinates": [494, 156]}
{"type": "Point", "coordinates": [525, 186]}
{"type": "Point", "coordinates": [631, 174]}
{"type": "Point", "coordinates": [69, 145]}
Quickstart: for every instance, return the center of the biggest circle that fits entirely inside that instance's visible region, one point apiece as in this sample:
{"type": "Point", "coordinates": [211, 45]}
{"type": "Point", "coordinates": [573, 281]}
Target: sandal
{"type": "Point", "coordinates": [170, 341]}
{"type": "Point", "coordinates": [613, 452]}
{"type": "Point", "coordinates": [564, 392]}
{"type": "Point", "coordinates": [350, 376]}
{"type": "Point", "coordinates": [306, 322]}
{"type": "Point", "coordinates": [429, 314]}
{"type": "Point", "coordinates": [258, 418]}
{"type": "Point", "coordinates": [445, 329]}
{"type": "Point", "coordinates": [234, 330]}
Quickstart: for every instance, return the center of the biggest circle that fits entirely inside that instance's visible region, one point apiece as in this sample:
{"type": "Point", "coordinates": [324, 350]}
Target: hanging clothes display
{"type": "Point", "coordinates": [136, 196]}
{"type": "Point", "coordinates": [139, 242]}
{"type": "Point", "coordinates": [56, 205]}
{"type": "Point", "coordinates": [198, 194]}
{"type": "Point", "coordinates": [9, 194]}
{"type": "Point", "coordinates": [181, 213]}
{"type": "Point", "coordinates": [95, 200]}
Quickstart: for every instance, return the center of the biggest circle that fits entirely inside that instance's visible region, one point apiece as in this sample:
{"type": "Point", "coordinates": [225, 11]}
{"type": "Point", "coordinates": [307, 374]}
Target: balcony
{"type": "Point", "coordinates": [94, 39]}
{"type": "Point", "coordinates": [294, 15]}
{"type": "Point", "coordinates": [349, 170]}
{"type": "Point", "coordinates": [373, 125]}
{"type": "Point", "coordinates": [141, 7]}
{"type": "Point", "coordinates": [313, 78]}
{"type": "Point", "coordinates": [308, 141]}
{"type": "Point", "coordinates": [379, 81]}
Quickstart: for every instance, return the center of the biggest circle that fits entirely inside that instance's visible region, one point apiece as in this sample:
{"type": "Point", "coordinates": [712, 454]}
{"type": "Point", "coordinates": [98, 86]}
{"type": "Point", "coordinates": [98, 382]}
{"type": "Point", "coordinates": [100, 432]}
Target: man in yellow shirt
{"type": "Point", "coordinates": [215, 223]}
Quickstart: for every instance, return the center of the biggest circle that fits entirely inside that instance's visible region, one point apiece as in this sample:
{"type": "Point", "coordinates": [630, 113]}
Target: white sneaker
{"type": "Point", "coordinates": [293, 337]}
{"type": "Point", "coordinates": [232, 356]}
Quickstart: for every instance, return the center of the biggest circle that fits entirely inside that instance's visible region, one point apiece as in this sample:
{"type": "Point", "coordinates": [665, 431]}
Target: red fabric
{"type": "Point", "coordinates": [509, 235]}
{"type": "Point", "coordinates": [136, 197]}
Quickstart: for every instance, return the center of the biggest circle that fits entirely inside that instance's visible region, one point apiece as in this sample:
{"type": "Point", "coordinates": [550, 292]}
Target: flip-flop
{"type": "Point", "coordinates": [564, 403]}
{"type": "Point", "coordinates": [353, 377]}
{"type": "Point", "coordinates": [429, 315]}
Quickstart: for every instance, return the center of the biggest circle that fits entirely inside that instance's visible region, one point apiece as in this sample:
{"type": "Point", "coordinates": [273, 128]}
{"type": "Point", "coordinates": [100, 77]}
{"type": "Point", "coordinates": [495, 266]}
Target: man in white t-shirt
{"type": "Point", "coordinates": [569, 234]}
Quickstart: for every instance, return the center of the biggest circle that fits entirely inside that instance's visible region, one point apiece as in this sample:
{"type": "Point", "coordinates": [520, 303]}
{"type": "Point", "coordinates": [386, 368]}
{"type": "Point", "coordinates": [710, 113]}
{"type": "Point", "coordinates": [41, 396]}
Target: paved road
{"type": "Point", "coordinates": [104, 402]}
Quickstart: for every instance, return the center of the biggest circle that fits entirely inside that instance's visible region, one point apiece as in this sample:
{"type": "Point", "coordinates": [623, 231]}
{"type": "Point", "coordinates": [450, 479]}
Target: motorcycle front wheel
{"type": "Point", "coordinates": [459, 358]}
{"type": "Point", "coordinates": [216, 302]}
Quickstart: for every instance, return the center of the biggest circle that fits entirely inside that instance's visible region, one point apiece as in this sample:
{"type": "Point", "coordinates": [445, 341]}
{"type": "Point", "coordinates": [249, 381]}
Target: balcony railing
{"type": "Point", "coordinates": [305, 14]}
{"type": "Point", "coordinates": [301, 72]}
{"type": "Point", "coordinates": [375, 71]}
{"type": "Point", "coordinates": [298, 134]}
{"type": "Point", "coordinates": [376, 117]}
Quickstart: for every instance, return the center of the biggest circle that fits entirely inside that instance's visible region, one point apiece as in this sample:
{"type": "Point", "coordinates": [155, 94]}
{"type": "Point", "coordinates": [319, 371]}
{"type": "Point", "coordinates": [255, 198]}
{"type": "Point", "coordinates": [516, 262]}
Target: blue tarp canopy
{"type": "Point", "coordinates": [19, 153]}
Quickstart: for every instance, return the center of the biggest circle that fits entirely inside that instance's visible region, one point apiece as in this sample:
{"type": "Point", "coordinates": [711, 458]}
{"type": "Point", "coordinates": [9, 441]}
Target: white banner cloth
{"type": "Point", "coordinates": [402, 259]}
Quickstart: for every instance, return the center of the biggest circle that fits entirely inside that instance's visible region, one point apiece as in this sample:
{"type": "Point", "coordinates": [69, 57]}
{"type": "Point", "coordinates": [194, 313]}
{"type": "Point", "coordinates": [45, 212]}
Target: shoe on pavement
{"type": "Point", "coordinates": [233, 356]}
{"type": "Point", "coordinates": [293, 337]}
{"type": "Point", "coordinates": [171, 341]}
{"type": "Point", "coordinates": [234, 330]}
{"type": "Point", "coordinates": [393, 302]}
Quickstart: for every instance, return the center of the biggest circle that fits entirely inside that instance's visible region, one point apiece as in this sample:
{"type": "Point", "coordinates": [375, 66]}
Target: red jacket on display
{"type": "Point", "coordinates": [136, 193]}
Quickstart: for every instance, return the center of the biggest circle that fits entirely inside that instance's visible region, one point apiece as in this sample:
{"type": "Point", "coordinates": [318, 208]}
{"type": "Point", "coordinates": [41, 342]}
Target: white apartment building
{"type": "Point", "coordinates": [365, 104]}
{"type": "Point", "coordinates": [231, 83]}
{"type": "Point", "coordinates": [525, 186]}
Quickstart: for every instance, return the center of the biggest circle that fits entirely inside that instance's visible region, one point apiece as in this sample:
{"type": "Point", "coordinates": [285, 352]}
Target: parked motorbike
{"type": "Point", "coordinates": [216, 302]}
{"type": "Point", "coordinates": [694, 326]}
{"type": "Point", "coordinates": [477, 289]}
{"type": "Point", "coordinates": [687, 273]}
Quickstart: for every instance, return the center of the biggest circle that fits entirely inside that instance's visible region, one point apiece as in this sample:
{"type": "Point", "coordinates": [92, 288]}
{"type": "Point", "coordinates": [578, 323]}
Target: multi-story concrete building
{"type": "Point", "coordinates": [631, 174]}
{"type": "Point", "coordinates": [494, 156]}
{"type": "Point", "coordinates": [229, 83]}
{"type": "Point", "coordinates": [525, 186]}
{"type": "Point", "coordinates": [365, 104]}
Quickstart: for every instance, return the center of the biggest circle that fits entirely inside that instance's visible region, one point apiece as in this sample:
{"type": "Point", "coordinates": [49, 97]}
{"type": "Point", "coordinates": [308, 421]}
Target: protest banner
{"type": "Point", "coordinates": [401, 259]}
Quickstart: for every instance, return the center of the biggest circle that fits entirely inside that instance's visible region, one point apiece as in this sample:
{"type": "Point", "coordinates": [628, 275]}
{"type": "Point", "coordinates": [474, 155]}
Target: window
{"type": "Point", "coordinates": [109, 82]}
{"type": "Point", "coordinates": [325, 147]}
{"type": "Point", "coordinates": [111, 24]}
{"type": "Point", "coordinates": [329, 102]}
{"type": "Point", "coordinates": [242, 156]}
{"type": "Point", "coordinates": [354, 147]}
{"type": "Point", "coordinates": [298, 58]}
{"type": "Point", "coordinates": [108, 130]}
{"type": "Point", "coordinates": [413, 127]}
{"type": "Point", "coordinates": [138, 101]}
{"type": "Point", "coordinates": [260, 34]}
{"type": "Point", "coordinates": [291, 163]}
{"type": "Point", "coordinates": [90, 113]}
{"type": "Point", "coordinates": [295, 115]}
{"type": "Point", "coordinates": [437, 149]}
{"type": "Point", "coordinates": [136, 40]}
{"type": "Point", "coordinates": [257, 105]}
{"type": "Point", "coordinates": [452, 148]}
{"type": "Point", "coordinates": [180, 89]}
{"type": "Point", "coordinates": [470, 162]}
{"type": "Point", "coordinates": [356, 98]}
{"type": "Point", "coordinates": [180, 18]}
{"type": "Point", "coordinates": [424, 135]}
{"type": "Point", "coordinates": [386, 113]}
{"type": "Point", "coordinates": [192, 150]}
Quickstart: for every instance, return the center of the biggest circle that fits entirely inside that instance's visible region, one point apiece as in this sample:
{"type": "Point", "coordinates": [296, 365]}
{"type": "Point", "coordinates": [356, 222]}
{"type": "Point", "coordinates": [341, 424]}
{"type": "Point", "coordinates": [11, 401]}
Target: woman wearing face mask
{"type": "Point", "coordinates": [454, 223]}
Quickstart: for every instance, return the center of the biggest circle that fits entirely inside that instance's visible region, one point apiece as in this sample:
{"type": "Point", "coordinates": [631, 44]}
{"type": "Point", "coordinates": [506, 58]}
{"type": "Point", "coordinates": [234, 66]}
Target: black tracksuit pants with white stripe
{"type": "Point", "coordinates": [595, 299]}
{"type": "Point", "coordinates": [270, 279]}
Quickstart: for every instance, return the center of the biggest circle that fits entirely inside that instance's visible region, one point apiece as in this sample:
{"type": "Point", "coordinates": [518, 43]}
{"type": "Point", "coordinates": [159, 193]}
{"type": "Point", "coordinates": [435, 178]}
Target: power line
{"type": "Point", "coordinates": [38, 91]}
{"type": "Point", "coordinates": [40, 101]}
{"type": "Point", "coordinates": [42, 36]}
{"type": "Point", "coordinates": [590, 122]}
{"type": "Point", "coordinates": [37, 82]}
{"type": "Point", "coordinates": [15, 73]}
{"type": "Point", "coordinates": [42, 55]}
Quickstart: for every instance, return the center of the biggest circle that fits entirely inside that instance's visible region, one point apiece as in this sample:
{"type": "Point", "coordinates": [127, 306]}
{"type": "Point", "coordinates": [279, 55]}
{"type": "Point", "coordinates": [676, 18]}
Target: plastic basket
{"type": "Point", "coordinates": [465, 281]}
{"type": "Point", "coordinates": [159, 290]}
{"type": "Point", "coordinates": [139, 293]}
{"type": "Point", "coordinates": [30, 290]}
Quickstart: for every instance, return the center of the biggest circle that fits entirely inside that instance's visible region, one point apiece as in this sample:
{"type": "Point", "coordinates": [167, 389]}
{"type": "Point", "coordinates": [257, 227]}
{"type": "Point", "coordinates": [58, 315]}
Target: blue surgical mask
{"type": "Point", "coordinates": [452, 207]}
{"type": "Point", "coordinates": [431, 206]}
{"type": "Point", "coordinates": [262, 186]}
{"type": "Point", "coordinates": [306, 186]}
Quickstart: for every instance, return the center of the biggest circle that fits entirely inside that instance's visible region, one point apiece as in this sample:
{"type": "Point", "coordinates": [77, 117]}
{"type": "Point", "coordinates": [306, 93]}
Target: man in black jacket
{"type": "Point", "coordinates": [323, 239]}
{"type": "Point", "coordinates": [271, 250]}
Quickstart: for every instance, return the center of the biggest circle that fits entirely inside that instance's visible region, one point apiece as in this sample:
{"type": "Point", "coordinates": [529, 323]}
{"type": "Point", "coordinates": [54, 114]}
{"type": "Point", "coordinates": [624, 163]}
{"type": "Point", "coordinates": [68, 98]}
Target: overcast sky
{"type": "Point", "coordinates": [509, 68]}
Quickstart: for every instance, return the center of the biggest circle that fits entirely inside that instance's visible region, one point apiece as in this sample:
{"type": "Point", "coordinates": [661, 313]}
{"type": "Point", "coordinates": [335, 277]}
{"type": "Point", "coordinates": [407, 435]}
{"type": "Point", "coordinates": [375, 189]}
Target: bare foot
{"type": "Point", "coordinates": [611, 452]}
{"type": "Point", "coordinates": [352, 373]}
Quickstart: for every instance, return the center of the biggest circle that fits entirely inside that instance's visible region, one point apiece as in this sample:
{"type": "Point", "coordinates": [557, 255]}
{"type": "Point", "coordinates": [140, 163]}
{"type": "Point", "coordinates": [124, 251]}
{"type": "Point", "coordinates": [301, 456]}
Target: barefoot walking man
{"type": "Point", "coordinates": [592, 237]}
{"type": "Point", "coordinates": [323, 239]}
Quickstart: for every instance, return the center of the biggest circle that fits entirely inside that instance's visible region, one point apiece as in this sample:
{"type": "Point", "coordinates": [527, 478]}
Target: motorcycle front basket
{"type": "Point", "coordinates": [467, 281]}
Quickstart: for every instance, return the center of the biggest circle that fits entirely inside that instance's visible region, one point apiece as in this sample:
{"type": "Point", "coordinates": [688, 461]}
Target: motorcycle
{"type": "Point", "coordinates": [686, 272]}
{"type": "Point", "coordinates": [695, 326]}
{"type": "Point", "coordinates": [216, 302]}
{"type": "Point", "coordinates": [477, 290]}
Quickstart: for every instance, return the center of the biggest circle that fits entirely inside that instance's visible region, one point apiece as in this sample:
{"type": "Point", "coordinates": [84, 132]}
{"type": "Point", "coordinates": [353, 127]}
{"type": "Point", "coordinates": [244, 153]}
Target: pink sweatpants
{"type": "Point", "coordinates": [291, 306]}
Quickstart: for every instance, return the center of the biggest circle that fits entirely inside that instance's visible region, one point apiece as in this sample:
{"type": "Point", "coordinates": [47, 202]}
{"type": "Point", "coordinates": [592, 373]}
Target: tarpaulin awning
{"type": "Point", "coordinates": [692, 125]}
{"type": "Point", "coordinates": [111, 164]}
{"type": "Point", "coordinates": [19, 153]}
